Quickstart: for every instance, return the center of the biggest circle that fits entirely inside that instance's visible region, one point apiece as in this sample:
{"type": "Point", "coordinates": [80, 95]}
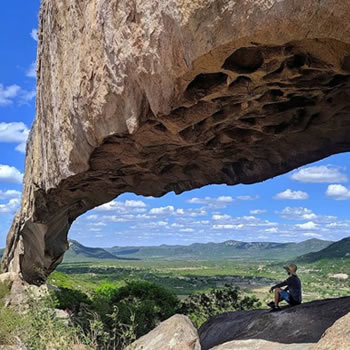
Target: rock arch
{"type": "Point", "coordinates": [157, 96]}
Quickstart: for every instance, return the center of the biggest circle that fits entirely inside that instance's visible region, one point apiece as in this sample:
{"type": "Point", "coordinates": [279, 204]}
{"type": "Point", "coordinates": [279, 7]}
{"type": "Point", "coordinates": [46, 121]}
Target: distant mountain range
{"type": "Point", "coordinates": [225, 250]}
{"type": "Point", "coordinates": [307, 251]}
{"type": "Point", "coordinates": [337, 250]}
{"type": "Point", "coordinates": [78, 252]}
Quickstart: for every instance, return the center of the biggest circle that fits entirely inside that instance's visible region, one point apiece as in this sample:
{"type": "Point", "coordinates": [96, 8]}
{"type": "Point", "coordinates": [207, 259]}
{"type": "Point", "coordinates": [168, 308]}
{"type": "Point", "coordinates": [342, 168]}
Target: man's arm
{"type": "Point", "coordinates": [279, 285]}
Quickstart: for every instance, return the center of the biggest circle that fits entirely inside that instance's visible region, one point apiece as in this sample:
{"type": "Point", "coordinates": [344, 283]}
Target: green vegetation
{"type": "Point", "coordinates": [8, 318]}
{"type": "Point", "coordinates": [112, 302]}
{"type": "Point", "coordinates": [200, 307]}
{"type": "Point", "coordinates": [147, 304]}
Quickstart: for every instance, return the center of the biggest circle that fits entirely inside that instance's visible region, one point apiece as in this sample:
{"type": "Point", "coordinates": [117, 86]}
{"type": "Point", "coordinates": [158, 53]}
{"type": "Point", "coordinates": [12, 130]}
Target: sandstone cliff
{"type": "Point", "coordinates": [170, 95]}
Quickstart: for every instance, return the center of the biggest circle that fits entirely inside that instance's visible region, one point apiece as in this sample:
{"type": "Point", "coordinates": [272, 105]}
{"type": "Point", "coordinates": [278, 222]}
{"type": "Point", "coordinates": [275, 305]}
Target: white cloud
{"type": "Point", "coordinates": [225, 199]}
{"type": "Point", "coordinates": [10, 174]}
{"type": "Point", "coordinates": [298, 213]}
{"type": "Point", "coordinates": [187, 230]}
{"type": "Point", "coordinates": [175, 224]}
{"type": "Point", "coordinates": [14, 92]}
{"type": "Point", "coordinates": [168, 210]}
{"type": "Point", "coordinates": [10, 194]}
{"type": "Point", "coordinates": [135, 204]}
{"type": "Point", "coordinates": [247, 198]}
{"type": "Point", "coordinates": [7, 94]}
{"type": "Point", "coordinates": [319, 174]}
{"type": "Point", "coordinates": [21, 147]}
{"type": "Point", "coordinates": [338, 192]}
{"type": "Point", "coordinates": [123, 207]}
{"type": "Point", "coordinates": [10, 207]}
{"type": "Point", "coordinates": [219, 202]}
{"type": "Point", "coordinates": [257, 211]}
{"type": "Point", "coordinates": [271, 230]}
{"type": "Point", "coordinates": [228, 227]}
{"type": "Point", "coordinates": [34, 34]}
{"type": "Point", "coordinates": [98, 224]}
{"type": "Point", "coordinates": [307, 226]}
{"type": "Point", "coordinates": [249, 218]}
{"type": "Point", "coordinates": [26, 96]}
{"type": "Point", "coordinates": [312, 234]}
{"type": "Point", "coordinates": [218, 217]}
{"type": "Point", "coordinates": [31, 72]}
{"type": "Point", "coordinates": [13, 132]}
{"type": "Point", "coordinates": [292, 195]}
{"type": "Point", "coordinates": [190, 212]}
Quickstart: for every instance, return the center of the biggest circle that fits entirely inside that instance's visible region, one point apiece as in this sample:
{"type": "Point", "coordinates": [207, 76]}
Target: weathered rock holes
{"type": "Point", "coordinates": [271, 96]}
{"type": "Point", "coordinates": [239, 83]}
{"type": "Point", "coordinates": [245, 60]}
{"type": "Point", "coordinates": [296, 61]}
{"type": "Point", "coordinates": [160, 127]}
{"type": "Point", "coordinates": [204, 84]}
{"type": "Point", "coordinates": [338, 80]}
{"type": "Point", "coordinates": [293, 102]}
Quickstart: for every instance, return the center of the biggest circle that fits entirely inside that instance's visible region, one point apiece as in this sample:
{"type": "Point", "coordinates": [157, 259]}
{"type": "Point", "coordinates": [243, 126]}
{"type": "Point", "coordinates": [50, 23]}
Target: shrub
{"type": "Point", "coordinates": [143, 304]}
{"type": "Point", "coordinates": [71, 299]}
{"type": "Point", "coordinates": [200, 307]}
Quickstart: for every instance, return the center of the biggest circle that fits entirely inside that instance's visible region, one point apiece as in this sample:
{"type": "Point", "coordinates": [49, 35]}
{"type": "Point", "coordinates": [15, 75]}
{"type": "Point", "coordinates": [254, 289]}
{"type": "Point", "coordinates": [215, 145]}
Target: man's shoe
{"type": "Point", "coordinates": [275, 309]}
{"type": "Point", "coordinates": [271, 304]}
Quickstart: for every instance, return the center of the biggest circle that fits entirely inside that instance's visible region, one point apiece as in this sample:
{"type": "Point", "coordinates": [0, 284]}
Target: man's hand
{"type": "Point", "coordinates": [271, 290]}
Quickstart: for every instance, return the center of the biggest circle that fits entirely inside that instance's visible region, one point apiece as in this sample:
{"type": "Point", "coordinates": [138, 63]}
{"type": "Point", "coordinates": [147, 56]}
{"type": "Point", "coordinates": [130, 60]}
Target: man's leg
{"type": "Point", "coordinates": [277, 296]}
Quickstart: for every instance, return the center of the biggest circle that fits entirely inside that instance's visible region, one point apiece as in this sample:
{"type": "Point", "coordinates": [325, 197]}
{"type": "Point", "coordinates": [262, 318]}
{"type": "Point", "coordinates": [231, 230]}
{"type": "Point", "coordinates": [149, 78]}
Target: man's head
{"type": "Point", "coordinates": [291, 269]}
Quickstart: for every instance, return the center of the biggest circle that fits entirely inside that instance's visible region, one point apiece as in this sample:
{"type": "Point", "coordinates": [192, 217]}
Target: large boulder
{"type": "Point", "coordinates": [304, 323]}
{"type": "Point", "coordinates": [170, 95]}
{"type": "Point", "coordinates": [336, 337]}
{"type": "Point", "coordinates": [258, 344]}
{"type": "Point", "coordinates": [176, 333]}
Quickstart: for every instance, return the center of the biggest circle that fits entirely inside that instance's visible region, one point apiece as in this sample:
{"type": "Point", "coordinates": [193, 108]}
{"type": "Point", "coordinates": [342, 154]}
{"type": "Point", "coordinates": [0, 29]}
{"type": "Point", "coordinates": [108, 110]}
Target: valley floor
{"type": "Point", "coordinates": [326, 278]}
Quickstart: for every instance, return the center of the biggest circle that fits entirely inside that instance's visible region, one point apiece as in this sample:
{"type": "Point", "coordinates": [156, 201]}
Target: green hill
{"type": "Point", "coordinates": [1, 252]}
{"type": "Point", "coordinates": [78, 252]}
{"type": "Point", "coordinates": [226, 250]}
{"type": "Point", "coordinates": [337, 250]}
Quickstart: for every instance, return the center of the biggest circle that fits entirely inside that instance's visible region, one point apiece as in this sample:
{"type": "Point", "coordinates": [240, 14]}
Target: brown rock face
{"type": "Point", "coordinates": [176, 333]}
{"type": "Point", "coordinates": [336, 337]}
{"type": "Point", "coordinates": [170, 95]}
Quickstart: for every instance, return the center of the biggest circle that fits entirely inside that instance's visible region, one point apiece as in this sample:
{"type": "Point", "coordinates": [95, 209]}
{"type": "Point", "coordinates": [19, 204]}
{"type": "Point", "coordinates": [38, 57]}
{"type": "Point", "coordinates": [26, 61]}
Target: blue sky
{"type": "Point", "coordinates": [308, 202]}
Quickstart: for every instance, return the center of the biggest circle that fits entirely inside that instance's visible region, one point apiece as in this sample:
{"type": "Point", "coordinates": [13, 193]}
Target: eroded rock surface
{"type": "Point", "coordinates": [170, 95]}
{"type": "Point", "coordinates": [176, 333]}
{"type": "Point", "coordinates": [300, 324]}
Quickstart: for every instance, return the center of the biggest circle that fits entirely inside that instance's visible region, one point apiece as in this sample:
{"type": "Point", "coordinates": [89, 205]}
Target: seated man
{"type": "Point", "coordinates": [291, 294]}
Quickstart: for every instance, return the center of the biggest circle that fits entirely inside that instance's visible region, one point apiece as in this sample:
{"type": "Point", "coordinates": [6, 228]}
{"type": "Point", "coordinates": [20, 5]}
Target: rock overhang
{"type": "Point", "coordinates": [152, 97]}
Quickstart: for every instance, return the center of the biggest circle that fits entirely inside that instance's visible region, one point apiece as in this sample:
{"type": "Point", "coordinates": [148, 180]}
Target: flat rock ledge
{"type": "Point", "coordinates": [301, 324]}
